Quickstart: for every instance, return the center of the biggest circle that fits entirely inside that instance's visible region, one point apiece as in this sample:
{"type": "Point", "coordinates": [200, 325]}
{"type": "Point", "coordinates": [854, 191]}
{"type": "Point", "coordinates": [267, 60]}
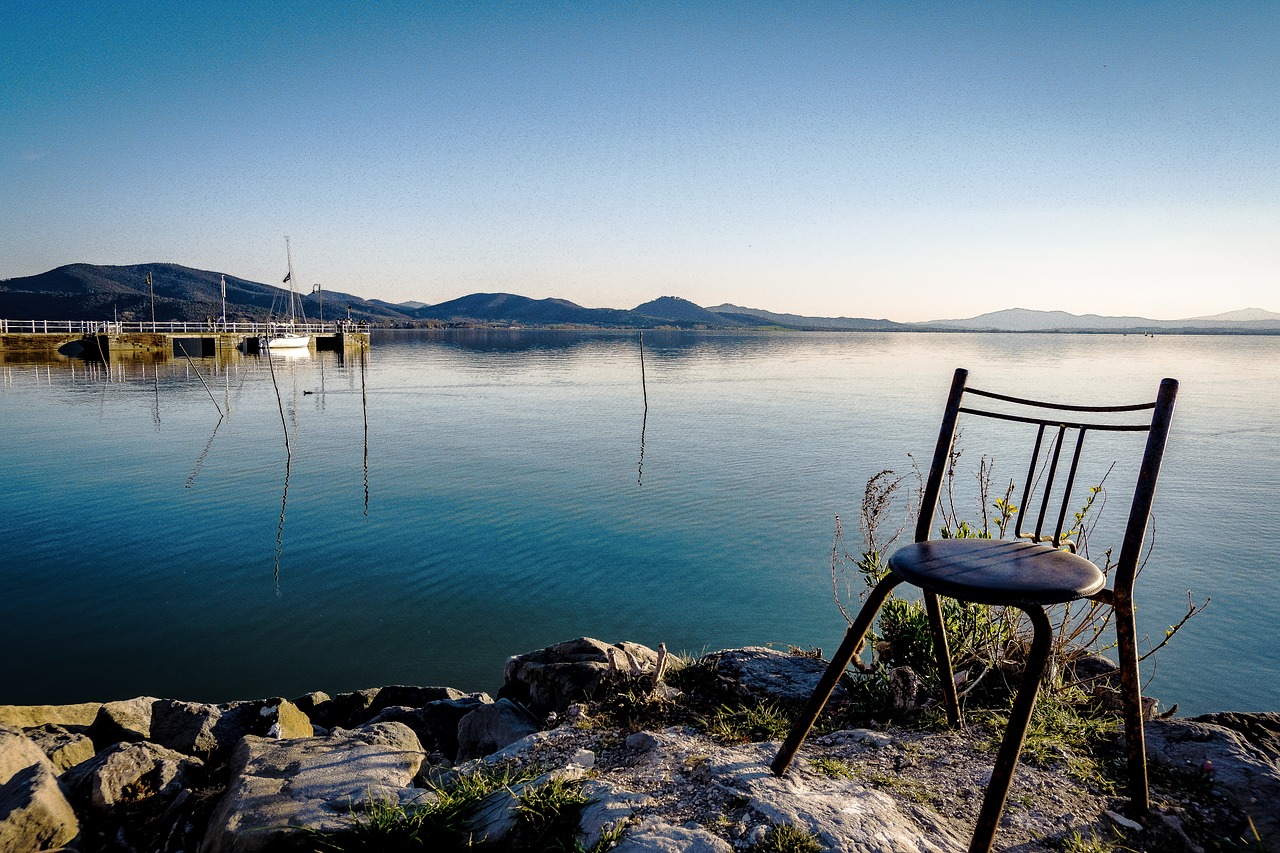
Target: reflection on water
{"type": "Point", "coordinates": [644, 418]}
{"type": "Point", "coordinates": [284, 502]}
{"type": "Point", "coordinates": [508, 513]}
{"type": "Point", "coordinates": [203, 453]}
{"type": "Point", "coordinates": [364, 412]}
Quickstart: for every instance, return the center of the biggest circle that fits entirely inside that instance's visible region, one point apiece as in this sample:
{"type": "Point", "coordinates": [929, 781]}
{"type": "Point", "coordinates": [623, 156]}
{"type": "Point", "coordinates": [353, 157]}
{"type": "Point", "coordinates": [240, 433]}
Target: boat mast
{"type": "Point", "coordinates": [293, 319]}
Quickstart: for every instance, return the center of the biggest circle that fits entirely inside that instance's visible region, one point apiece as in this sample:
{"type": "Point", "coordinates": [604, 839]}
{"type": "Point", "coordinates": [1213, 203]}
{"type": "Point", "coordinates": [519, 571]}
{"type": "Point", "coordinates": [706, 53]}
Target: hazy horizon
{"type": "Point", "coordinates": [907, 161]}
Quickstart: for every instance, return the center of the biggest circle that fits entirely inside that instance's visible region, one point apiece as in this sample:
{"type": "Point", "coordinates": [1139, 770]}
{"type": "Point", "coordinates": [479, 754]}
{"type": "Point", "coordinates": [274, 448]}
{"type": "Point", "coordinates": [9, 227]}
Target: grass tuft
{"type": "Point", "coordinates": [750, 723]}
{"type": "Point", "coordinates": [786, 838]}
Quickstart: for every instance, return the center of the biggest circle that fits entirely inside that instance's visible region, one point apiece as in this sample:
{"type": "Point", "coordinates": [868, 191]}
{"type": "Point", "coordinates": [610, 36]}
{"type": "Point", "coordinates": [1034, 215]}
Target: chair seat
{"type": "Point", "coordinates": [997, 571]}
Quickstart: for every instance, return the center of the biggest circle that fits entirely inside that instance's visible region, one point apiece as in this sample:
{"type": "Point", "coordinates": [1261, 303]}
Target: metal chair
{"type": "Point", "coordinates": [1029, 572]}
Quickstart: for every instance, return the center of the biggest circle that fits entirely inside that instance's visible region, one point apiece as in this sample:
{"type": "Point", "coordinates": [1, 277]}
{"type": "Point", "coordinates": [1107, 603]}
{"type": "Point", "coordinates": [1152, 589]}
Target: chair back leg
{"type": "Point", "coordinates": [1016, 732]}
{"type": "Point", "coordinates": [1131, 695]}
{"type": "Point", "coordinates": [950, 700]}
{"type": "Point", "coordinates": [839, 661]}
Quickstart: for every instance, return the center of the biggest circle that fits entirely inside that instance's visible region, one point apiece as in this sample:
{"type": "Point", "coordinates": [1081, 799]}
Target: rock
{"type": "Point", "coordinates": [494, 818]}
{"type": "Point", "coordinates": [290, 721]}
{"type": "Point", "coordinates": [442, 717]}
{"type": "Point", "coordinates": [30, 716]}
{"type": "Point", "coordinates": [1241, 772]}
{"type": "Point", "coordinates": [411, 717]}
{"type": "Point", "coordinates": [63, 748]}
{"type": "Point", "coordinates": [127, 774]}
{"type": "Point", "coordinates": [189, 727]}
{"type": "Point", "coordinates": [862, 737]}
{"type": "Point", "coordinates": [656, 836]}
{"type": "Point", "coordinates": [765, 675]}
{"type": "Point", "coordinates": [279, 788]}
{"type": "Point", "coordinates": [1089, 671]}
{"type": "Point", "coordinates": [607, 807]}
{"type": "Point", "coordinates": [551, 679]}
{"type": "Point", "coordinates": [211, 731]}
{"type": "Point", "coordinates": [489, 728]}
{"type": "Point", "coordinates": [126, 720]}
{"type": "Point", "coordinates": [17, 753]}
{"type": "Point", "coordinates": [1122, 821]}
{"type": "Point", "coordinates": [34, 813]}
{"type": "Point", "coordinates": [904, 688]}
{"type": "Point", "coordinates": [642, 741]}
{"type": "Point", "coordinates": [315, 705]}
{"type": "Point", "coordinates": [348, 710]}
{"type": "Point", "coordinates": [435, 723]}
{"type": "Point", "coordinates": [412, 697]}
{"type": "Point", "coordinates": [843, 814]}
{"type": "Point", "coordinates": [1259, 731]}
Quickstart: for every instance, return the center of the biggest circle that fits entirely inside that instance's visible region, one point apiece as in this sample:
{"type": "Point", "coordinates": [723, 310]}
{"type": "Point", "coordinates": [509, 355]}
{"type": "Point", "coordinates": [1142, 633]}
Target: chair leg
{"type": "Point", "coordinates": [839, 661]}
{"type": "Point", "coordinates": [1016, 733]}
{"type": "Point", "coordinates": [1131, 694]}
{"type": "Point", "coordinates": [943, 653]}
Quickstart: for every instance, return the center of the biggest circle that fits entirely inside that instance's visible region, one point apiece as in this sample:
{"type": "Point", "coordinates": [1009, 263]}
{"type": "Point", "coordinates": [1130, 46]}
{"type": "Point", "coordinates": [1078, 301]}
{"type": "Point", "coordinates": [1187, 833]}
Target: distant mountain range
{"type": "Point", "coordinates": [1025, 320]}
{"type": "Point", "coordinates": [93, 292]}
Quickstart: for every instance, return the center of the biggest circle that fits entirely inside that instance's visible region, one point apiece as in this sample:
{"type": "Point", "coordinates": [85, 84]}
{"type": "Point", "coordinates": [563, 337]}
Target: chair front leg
{"type": "Point", "coordinates": [951, 701]}
{"type": "Point", "coordinates": [839, 661]}
{"type": "Point", "coordinates": [1131, 694]}
{"type": "Point", "coordinates": [1016, 732]}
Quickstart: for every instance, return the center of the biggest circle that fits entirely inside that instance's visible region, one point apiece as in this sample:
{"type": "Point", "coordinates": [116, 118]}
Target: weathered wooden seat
{"type": "Point", "coordinates": [1029, 572]}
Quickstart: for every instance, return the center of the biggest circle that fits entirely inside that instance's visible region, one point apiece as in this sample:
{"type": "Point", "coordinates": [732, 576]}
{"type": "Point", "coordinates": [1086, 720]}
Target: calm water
{"type": "Point", "coordinates": [503, 503]}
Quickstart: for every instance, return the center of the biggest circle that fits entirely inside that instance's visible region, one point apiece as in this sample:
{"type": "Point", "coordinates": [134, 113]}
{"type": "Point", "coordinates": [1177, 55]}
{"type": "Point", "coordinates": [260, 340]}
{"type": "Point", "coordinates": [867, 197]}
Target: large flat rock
{"type": "Point", "coordinates": [281, 790]}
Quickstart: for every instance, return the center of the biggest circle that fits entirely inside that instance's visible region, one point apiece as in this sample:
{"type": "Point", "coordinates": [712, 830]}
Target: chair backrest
{"type": "Point", "coordinates": [1059, 422]}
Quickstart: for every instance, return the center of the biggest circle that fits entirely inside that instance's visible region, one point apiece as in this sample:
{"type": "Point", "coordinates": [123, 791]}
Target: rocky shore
{"type": "Point", "coordinates": [658, 754]}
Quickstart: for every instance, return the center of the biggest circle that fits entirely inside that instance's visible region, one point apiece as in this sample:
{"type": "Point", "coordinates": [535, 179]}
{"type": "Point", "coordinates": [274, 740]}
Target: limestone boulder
{"type": "Point", "coordinates": [553, 678]}
{"type": "Point", "coordinates": [658, 836]}
{"type": "Point", "coordinates": [443, 717]}
{"type": "Point", "coordinates": [34, 812]}
{"type": "Point", "coordinates": [608, 806]}
{"type": "Point", "coordinates": [842, 814]}
{"type": "Point", "coordinates": [492, 823]}
{"type": "Point", "coordinates": [1237, 759]}
{"type": "Point", "coordinates": [765, 675]}
{"type": "Point", "coordinates": [315, 705]}
{"type": "Point", "coordinates": [63, 748]}
{"type": "Point", "coordinates": [17, 753]}
{"type": "Point", "coordinates": [126, 720]}
{"type": "Point", "coordinates": [210, 732]}
{"type": "Point", "coordinates": [282, 791]}
{"type": "Point", "coordinates": [126, 775]}
{"type": "Point", "coordinates": [435, 723]}
{"type": "Point", "coordinates": [30, 716]}
{"type": "Point", "coordinates": [489, 728]}
{"type": "Point", "coordinates": [347, 710]}
{"type": "Point", "coordinates": [411, 696]}
{"type": "Point", "coordinates": [1259, 732]}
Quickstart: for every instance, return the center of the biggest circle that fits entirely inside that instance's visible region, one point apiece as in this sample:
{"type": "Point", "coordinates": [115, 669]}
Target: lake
{"type": "Point", "coordinates": [463, 496]}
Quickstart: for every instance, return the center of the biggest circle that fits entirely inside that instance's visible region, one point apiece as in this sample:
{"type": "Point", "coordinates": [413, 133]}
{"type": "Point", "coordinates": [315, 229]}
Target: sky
{"type": "Point", "coordinates": [910, 161]}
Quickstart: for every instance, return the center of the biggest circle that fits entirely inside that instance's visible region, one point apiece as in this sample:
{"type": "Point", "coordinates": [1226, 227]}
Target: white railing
{"type": "Point", "coordinates": [167, 327]}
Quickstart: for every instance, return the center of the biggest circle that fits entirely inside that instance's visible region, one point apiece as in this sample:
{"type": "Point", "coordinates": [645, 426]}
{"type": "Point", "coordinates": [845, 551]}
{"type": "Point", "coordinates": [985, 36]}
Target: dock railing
{"type": "Point", "coordinates": [169, 327]}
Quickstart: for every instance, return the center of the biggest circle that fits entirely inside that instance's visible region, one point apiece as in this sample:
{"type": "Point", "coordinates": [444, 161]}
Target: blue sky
{"type": "Point", "coordinates": [904, 160]}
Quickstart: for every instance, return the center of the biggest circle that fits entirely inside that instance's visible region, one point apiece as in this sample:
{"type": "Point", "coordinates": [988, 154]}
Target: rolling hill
{"type": "Point", "coordinates": [93, 292]}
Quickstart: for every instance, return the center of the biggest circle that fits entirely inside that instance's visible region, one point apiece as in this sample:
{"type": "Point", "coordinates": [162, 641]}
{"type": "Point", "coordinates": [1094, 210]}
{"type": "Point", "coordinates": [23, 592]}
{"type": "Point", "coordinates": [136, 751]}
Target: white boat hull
{"type": "Point", "coordinates": [288, 341]}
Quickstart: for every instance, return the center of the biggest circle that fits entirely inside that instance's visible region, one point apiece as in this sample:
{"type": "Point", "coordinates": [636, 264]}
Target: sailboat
{"type": "Point", "coordinates": [286, 335]}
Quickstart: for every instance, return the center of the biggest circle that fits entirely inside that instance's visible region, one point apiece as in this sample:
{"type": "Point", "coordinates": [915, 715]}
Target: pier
{"type": "Point", "coordinates": [103, 339]}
